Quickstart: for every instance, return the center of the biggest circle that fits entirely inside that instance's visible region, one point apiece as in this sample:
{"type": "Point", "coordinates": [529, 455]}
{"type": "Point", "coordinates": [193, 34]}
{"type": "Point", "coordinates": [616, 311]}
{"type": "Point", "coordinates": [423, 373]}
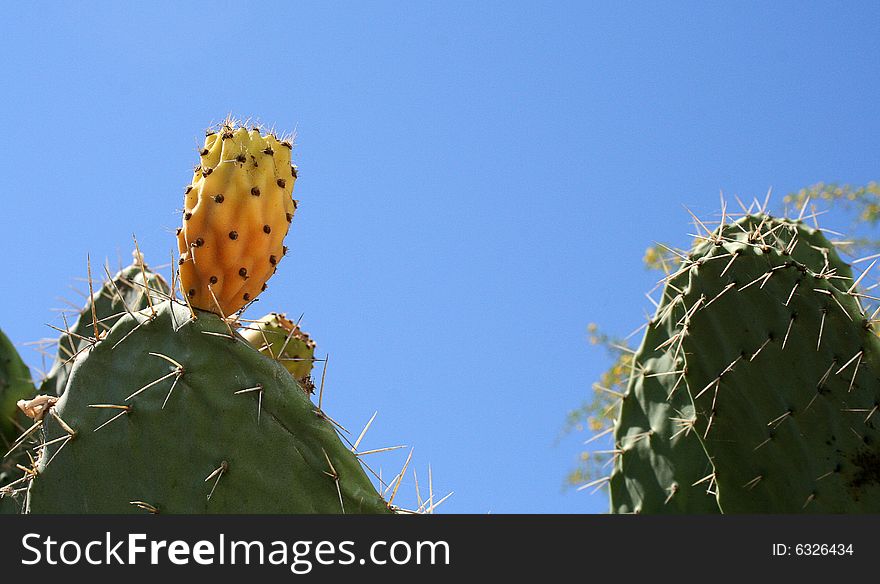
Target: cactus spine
{"type": "Point", "coordinates": [126, 291]}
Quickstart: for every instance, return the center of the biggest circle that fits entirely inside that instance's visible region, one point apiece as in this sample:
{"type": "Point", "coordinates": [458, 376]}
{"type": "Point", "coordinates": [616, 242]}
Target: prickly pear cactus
{"type": "Point", "coordinates": [237, 211]}
{"type": "Point", "coordinates": [15, 385]}
{"type": "Point", "coordinates": [281, 339]}
{"type": "Point", "coordinates": [118, 294]}
{"type": "Point", "coordinates": [163, 406]}
{"type": "Point", "coordinates": [755, 388]}
{"type": "Point", "coordinates": [172, 414]}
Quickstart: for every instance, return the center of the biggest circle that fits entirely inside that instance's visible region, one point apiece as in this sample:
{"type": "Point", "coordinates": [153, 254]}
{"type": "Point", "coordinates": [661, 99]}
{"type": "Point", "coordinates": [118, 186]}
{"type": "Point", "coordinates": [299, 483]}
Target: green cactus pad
{"type": "Point", "coordinates": [125, 292]}
{"type": "Point", "coordinates": [770, 349]}
{"type": "Point", "coordinates": [15, 384]}
{"type": "Point", "coordinates": [236, 435]}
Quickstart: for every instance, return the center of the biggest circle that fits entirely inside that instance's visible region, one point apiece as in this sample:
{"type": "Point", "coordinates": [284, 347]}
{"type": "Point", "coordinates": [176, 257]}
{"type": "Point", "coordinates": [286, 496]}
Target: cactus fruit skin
{"type": "Point", "coordinates": [754, 387]}
{"type": "Point", "coordinates": [15, 384]}
{"type": "Point", "coordinates": [283, 340]}
{"type": "Point", "coordinates": [237, 211]}
{"type": "Point", "coordinates": [126, 291]}
{"type": "Point", "coordinates": [228, 414]}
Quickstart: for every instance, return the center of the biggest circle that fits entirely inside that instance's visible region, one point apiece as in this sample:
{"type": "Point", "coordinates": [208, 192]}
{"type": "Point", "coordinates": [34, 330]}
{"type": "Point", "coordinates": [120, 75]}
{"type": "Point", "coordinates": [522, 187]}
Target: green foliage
{"type": "Point", "coordinates": [861, 203]}
{"type": "Point", "coordinates": [864, 200]}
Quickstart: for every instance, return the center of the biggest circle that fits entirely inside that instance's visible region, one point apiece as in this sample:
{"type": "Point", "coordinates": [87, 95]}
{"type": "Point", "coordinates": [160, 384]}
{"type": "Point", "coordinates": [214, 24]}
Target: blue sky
{"type": "Point", "coordinates": [478, 182]}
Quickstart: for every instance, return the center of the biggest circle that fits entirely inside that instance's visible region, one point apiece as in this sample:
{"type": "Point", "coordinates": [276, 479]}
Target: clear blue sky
{"type": "Point", "coordinates": [478, 181]}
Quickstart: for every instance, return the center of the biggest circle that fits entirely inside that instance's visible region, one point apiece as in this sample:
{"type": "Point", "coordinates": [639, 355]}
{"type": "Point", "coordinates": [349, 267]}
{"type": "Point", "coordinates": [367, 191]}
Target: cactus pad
{"type": "Point", "coordinates": [755, 389]}
{"type": "Point", "coordinates": [204, 424]}
{"type": "Point", "coordinates": [15, 385]}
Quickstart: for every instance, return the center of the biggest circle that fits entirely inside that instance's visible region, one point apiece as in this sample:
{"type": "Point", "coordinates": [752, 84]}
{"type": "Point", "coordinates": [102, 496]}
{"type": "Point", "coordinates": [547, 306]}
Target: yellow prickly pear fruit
{"type": "Point", "coordinates": [283, 340]}
{"type": "Point", "coordinates": [237, 211]}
